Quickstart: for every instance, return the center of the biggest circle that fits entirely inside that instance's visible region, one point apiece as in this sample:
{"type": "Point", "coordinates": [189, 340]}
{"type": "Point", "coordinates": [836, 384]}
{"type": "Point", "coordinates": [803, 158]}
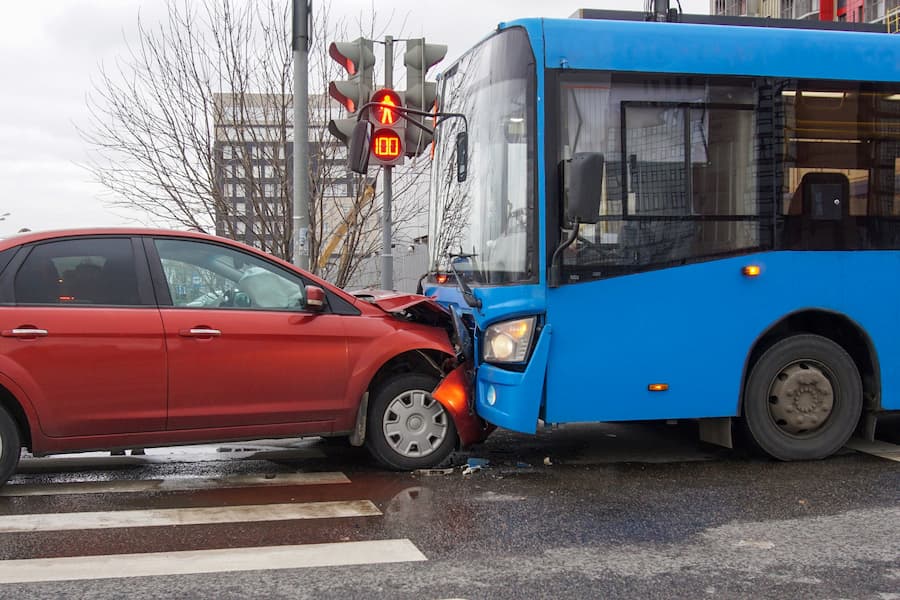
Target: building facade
{"type": "Point", "coordinates": [254, 146]}
{"type": "Point", "coordinates": [854, 11]}
{"type": "Point", "coordinates": [254, 174]}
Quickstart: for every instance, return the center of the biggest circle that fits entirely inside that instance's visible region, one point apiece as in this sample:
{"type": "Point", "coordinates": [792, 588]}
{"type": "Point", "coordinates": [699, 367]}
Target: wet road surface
{"type": "Point", "coordinates": [637, 510]}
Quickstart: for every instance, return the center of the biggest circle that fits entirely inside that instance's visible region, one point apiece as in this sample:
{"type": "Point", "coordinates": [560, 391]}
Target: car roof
{"type": "Point", "coordinates": [37, 236]}
{"type": "Point", "coordinates": [41, 236]}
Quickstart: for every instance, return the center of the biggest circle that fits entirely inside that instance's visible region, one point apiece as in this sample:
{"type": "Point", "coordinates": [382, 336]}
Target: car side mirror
{"type": "Point", "coordinates": [315, 298]}
{"type": "Point", "coordinates": [360, 142]}
{"type": "Point", "coordinates": [583, 178]}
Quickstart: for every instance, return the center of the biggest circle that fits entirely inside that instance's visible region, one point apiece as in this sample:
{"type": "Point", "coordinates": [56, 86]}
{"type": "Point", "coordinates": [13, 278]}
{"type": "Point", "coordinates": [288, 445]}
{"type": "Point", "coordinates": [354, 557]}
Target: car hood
{"type": "Point", "coordinates": [416, 307]}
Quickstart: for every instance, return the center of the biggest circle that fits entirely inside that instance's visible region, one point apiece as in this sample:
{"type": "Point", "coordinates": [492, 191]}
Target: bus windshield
{"type": "Point", "coordinates": [489, 217]}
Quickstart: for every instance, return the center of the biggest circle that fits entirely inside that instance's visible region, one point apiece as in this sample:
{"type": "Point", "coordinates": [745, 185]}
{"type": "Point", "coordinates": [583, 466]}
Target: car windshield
{"type": "Point", "coordinates": [490, 216]}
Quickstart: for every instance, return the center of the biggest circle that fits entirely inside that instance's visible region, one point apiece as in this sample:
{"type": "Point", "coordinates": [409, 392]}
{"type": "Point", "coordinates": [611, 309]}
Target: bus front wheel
{"type": "Point", "coordinates": [803, 398]}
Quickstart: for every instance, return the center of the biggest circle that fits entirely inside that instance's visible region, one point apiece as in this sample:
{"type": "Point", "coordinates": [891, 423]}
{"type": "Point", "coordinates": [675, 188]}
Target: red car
{"type": "Point", "coordinates": [128, 338]}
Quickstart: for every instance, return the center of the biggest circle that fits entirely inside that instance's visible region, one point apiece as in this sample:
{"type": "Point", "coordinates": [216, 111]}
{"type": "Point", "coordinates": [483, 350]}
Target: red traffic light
{"type": "Point", "coordinates": [387, 145]}
{"type": "Point", "coordinates": [385, 114]}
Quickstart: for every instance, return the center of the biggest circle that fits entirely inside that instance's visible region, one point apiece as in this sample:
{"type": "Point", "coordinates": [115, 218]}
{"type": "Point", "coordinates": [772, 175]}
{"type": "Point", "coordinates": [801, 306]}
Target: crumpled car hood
{"type": "Point", "coordinates": [421, 309]}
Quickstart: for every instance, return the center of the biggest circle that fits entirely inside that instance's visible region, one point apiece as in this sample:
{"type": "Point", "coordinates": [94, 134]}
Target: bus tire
{"type": "Point", "coordinates": [407, 428]}
{"type": "Point", "coordinates": [10, 446]}
{"type": "Point", "coordinates": [803, 398]}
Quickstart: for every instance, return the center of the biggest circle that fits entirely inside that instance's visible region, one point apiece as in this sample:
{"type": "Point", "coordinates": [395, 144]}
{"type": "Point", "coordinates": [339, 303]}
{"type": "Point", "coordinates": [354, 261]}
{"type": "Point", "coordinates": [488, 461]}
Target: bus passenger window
{"type": "Point", "coordinates": [839, 165]}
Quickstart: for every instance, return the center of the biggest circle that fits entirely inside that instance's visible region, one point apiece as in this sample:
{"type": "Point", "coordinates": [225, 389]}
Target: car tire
{"type": "Point", "coordinates": [407, 428]}
{"type": "Point", "coordinates": [10, 446]}
{"type": "Point", "coordinates": [803, 399]}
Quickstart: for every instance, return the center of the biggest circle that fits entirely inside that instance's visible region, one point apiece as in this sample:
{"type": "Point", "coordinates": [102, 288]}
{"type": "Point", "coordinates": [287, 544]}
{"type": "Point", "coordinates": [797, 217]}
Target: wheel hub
{"type": "Point", "coordinates": [801, 397]}
{"type": "Point", "coordinates": [415, 423]}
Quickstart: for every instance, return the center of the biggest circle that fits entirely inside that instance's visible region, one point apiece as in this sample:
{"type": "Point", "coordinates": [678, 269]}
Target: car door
{"type": "Point", "coordinates": [242, 348]}
{"type": "Point", "coordinates": [81, 334]}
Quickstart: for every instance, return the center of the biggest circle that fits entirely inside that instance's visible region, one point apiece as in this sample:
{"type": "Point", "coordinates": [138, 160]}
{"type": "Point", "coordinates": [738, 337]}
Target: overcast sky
{"type": "Point", "coordinates": [50, 50]}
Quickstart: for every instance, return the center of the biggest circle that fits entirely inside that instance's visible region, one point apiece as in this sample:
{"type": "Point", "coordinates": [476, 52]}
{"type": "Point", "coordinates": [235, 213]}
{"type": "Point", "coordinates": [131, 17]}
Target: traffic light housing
{"type": "Point", "coordinates": [358, 60]}
{"type": "Point", "coordinates": [420, 94]}
{"type": "Point", "coordinates": [389, 134]}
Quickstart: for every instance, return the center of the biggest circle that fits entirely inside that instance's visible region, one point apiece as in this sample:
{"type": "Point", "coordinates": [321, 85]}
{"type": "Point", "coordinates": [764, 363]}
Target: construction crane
{"type": "Point", "coordinates": [892, 20]}
{"type": "Point", "coordinates": [341, 230]}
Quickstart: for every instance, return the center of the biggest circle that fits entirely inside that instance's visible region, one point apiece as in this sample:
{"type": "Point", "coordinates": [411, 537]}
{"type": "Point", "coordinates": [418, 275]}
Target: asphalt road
{"type": "Point", "coordinates": [613, 511]}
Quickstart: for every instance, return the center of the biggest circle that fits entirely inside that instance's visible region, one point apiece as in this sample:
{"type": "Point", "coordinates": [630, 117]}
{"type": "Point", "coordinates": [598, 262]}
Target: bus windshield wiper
{"type": "Point", "coordinates": [464, 288]}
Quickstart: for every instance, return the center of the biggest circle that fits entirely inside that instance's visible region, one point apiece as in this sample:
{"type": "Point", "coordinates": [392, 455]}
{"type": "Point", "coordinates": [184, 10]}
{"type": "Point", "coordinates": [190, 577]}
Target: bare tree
{"type": "Point", "coordinates": [197, 119]}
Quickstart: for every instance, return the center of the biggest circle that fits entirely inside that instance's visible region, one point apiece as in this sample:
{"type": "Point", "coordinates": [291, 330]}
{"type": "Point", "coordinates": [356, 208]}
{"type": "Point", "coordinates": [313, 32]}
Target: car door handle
{"type": "Point", "coordinates": [200, 332]}
{"type": "Point", "coordinates": [24, 332]}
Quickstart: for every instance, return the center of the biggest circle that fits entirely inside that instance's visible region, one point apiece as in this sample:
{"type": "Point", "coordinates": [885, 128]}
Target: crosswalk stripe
{"type": "Point", "coordinates": [171, 485]}
{"type": "Point", "coordinates": [184, 454]}
{"type": "Point", "coordinates": [185, 516]}
{"type": "Point", "coordinates": [876, 448]}
{"type": "Point", "coordinates": [188, 562]}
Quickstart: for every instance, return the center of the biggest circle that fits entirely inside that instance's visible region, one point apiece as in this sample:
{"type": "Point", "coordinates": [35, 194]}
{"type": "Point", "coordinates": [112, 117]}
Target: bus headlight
{"type": "Point", "coordinates": [509, 341]}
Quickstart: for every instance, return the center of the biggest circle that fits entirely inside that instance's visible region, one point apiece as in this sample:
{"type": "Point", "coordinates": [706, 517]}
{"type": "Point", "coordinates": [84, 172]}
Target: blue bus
{"type": "Point", "coordinates": [671, 220]}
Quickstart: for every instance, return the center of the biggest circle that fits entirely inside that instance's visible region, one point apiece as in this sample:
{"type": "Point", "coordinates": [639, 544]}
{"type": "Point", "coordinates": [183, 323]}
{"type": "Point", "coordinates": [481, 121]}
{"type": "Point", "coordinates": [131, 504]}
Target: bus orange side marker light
{"type": "Point", "coordinates": [751, 270]}
{"type": "Point", "coordinates": [658, 387]}
{"type": "Point", "coordinates": [441, 278]}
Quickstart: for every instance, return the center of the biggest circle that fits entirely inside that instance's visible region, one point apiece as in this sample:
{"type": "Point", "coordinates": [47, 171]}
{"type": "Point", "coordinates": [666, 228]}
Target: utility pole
{"type": "Point", "coordinates": [300, 45]}
{"type": "Point", "coordinates": [387, 257]}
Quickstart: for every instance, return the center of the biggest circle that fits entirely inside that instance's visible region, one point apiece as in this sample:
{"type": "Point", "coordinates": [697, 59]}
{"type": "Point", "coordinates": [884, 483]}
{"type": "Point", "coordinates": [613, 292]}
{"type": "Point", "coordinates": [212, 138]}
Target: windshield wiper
{"type": "Point", "coordinates": [464, 288]}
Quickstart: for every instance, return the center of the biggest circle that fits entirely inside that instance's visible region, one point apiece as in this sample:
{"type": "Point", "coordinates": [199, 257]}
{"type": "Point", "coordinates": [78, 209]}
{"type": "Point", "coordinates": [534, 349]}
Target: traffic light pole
{"type": "Point", "coordinates": [301, 134]}
{"type": "Point", "coordinates": [387, 258]}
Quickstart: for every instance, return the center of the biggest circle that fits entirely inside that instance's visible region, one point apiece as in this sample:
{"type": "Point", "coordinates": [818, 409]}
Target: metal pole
{"type": "Point", "coordinates": [387, 258]}
{"type": "Point", "coordinates": [300, 43]}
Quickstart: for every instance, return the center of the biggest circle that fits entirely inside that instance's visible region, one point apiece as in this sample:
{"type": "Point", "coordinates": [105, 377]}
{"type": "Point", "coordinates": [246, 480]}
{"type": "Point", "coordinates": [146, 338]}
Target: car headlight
{"type": "Point", "coordinates": [509, 341]}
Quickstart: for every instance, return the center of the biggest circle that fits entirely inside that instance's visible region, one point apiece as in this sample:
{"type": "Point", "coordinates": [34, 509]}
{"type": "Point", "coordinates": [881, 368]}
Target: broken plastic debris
{"type": "Point", "coordinates": [548, 462]}
{"type": "Point", "coordinates": [447, 471]}
{"type": "Point", "coordinates": [473, 465]}
{"type": "Point", "coordinates": [523, 465]}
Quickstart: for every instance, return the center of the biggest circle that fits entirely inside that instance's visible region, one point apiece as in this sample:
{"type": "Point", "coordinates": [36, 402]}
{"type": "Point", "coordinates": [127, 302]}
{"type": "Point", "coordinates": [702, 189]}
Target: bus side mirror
{"type": "Point", "coordinates": [360, 142]}
{"type": "Point", "coordinates": [462, 156]}
{"type": "Point", "coordinates": [584, 180]}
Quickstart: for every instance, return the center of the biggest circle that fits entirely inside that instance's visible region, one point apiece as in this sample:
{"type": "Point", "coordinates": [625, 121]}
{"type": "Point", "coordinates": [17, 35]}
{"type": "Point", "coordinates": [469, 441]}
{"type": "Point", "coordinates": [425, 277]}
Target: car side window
{"type": "Point", "coordinates": [204, 275]}
{"type": "Point", "coordinates": [79, 271]}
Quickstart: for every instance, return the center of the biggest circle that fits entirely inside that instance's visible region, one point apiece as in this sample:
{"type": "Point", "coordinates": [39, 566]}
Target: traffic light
{"type": "Point", "coordinates": [358, 60]}
{"type": "Point", "coordinates": [420, 94]}
{"type": "Point", "coordinates": [388, 137]}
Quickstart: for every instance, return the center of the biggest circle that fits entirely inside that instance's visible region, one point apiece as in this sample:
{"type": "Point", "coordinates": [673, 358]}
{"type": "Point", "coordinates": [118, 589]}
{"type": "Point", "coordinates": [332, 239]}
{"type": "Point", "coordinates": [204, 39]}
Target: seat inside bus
{"type": "Point", "coordinates": [818, 217]}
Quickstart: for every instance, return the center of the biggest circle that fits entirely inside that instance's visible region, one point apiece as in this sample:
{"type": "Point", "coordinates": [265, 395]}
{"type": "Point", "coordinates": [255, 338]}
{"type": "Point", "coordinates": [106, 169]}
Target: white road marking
{"type": "Point", "coordinates": [876, 448]}
{"type": "Point", "coordinates": [209, 561]}
{"type": "Point", "coordinates": [186, 516]}
{"type": "Point", "coordinates": [180, 454]}
{"type": "Point", "coordinates": [172, 484]}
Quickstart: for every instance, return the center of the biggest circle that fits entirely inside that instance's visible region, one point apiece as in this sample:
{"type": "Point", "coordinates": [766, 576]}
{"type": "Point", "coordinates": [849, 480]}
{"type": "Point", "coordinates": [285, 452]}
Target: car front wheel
{"type": "Point", "coordinates": [407, 428]}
